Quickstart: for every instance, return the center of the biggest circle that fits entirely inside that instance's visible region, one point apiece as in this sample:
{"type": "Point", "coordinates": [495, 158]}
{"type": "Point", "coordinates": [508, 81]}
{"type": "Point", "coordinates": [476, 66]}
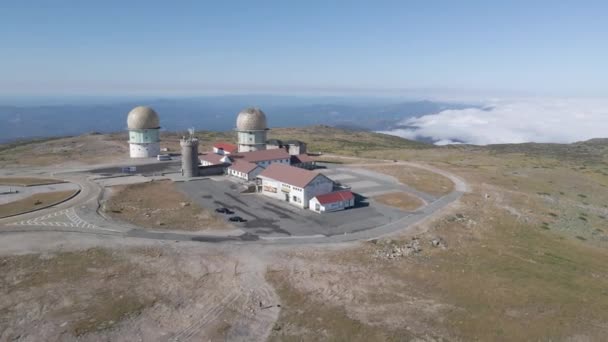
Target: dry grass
{"type": "Point", "coordinates": [345, 160]}
{"type": "Point", "coordinates": [85, 149]}
{"type": "Point", "coordinates": [304, 318]}
{"type": "Point", "coordinates": [25, 181]}
{"type": "Point", "coordinates": [29, 280]}
{"type": "Point", "coordinates": [418, 179]}
{"type": "Point", "coordinates": [160, 205]}
{"type": "Point", "coordinates": [401, 200]}
{"type": "Point", "coordinates": [34, 202]}
{"type": "Point", "coordinates": [525, 259]}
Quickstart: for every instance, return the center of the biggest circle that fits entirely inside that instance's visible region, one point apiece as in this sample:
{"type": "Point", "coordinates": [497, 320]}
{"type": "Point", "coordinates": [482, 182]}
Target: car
{"type": "Point", "coordinates": [237, 219]}
{"type": "Point", "coordinates": [224, 211]}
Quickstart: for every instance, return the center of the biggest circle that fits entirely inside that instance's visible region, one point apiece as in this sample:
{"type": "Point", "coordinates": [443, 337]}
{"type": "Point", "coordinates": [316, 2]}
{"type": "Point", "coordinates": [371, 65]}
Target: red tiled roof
{"type": "Point", "coordinates": [289, 174]}
{"type": "Point", "coordinates": [228, 147]}
{"type": "Point", "coordinates": [262, 155]}
{"type": "Point", "coordinates": [212, 158]}
{"type": "Point", "coordinates": [301, 158]}
{"type": "Point", "coordinates": [337, 196]}
{"type": "Point", "coordinates": [243, 166]}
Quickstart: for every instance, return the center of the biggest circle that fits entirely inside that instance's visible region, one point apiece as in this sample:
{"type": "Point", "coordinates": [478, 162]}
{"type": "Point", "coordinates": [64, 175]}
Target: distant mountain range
{"type": "Point", "coordinates": [211, 113]}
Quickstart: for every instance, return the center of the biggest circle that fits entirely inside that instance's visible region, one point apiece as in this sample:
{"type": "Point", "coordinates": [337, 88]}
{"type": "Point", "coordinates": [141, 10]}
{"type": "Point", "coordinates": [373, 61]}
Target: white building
{"type": "Point", "coordinates": [251, 130]}
{"type": "Point", "coordinates": [144, 132]}
{"type": "Point", "coordinates": [334, 201]}
{"type": "Point", "coordinates": [244, 170]}
{"type": "Point", "coordinates": [209, 159]}
{"type": "Point", "coordinates": [224, 148]}
{"type": "Point", "coordinates": [264, 158]}
{"type": "Point", "coordinates": [294, 185]}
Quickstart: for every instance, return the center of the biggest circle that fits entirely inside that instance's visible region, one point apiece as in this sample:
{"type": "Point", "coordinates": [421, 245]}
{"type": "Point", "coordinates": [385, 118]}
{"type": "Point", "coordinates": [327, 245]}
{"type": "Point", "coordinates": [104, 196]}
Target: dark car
{"type": "Point", "coordinates": [237, 219]}
{"type": "Point", "coordinates": [224, 211]}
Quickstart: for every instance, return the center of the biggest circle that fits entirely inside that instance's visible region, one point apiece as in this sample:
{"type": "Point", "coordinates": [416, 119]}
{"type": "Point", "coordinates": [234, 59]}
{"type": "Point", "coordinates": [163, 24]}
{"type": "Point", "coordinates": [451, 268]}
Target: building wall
{"type": "Point", "coordinates": [251, 140]}
{"type": "Point", "coordinates": [297, 196]}
{"type": "Point", "coordinates": [280, 191]}
{"type": "Point", "coordinates": [321, 185]}
{"type": "Point", "coordinates": [211, 170]}
{"type": "Point", "coordinates": [295, 149]}
{"type": "Point", "coordinates": [307, 165]}
{"type": "Point", "coordinates": [144, 136]}
{"type": "Point", "coordinates": [243, 175]}
{"type": "Point", "coordinates": [144, 150]}
{"type": "Point", "coordinates": [314, 205]}
{"type": "Point", "coordinates": [266, 163]}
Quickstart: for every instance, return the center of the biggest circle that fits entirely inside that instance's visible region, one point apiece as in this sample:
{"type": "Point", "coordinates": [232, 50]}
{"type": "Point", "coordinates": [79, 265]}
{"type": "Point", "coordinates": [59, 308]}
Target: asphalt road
{"type": "Point", "coordinates": [81, 215]}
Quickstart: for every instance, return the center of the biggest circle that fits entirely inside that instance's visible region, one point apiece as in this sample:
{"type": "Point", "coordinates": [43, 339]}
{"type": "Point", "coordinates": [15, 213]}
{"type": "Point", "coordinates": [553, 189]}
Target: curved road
{"type": "Point", "coordinates": [81, 215]}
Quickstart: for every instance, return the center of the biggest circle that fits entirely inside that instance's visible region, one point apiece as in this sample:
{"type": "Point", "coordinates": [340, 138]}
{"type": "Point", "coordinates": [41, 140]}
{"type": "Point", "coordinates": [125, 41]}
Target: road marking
{"type": "Point", "coordinates": [62, 218]}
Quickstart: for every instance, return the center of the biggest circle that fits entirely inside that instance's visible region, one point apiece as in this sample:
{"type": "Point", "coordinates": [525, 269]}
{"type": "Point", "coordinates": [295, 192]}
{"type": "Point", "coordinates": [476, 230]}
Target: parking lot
{"type": "Point", "coordinates": [269, 217]}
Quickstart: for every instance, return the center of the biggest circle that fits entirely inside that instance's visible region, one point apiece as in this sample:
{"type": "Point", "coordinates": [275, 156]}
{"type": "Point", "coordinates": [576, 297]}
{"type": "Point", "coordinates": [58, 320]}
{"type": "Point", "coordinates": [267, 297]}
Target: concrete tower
{"type": "Point", "coordinates": [251, 130]}
{"type": "Point", "coordinates": [144, 132]}
{"type": "Point", "coordinates": [190, 159]}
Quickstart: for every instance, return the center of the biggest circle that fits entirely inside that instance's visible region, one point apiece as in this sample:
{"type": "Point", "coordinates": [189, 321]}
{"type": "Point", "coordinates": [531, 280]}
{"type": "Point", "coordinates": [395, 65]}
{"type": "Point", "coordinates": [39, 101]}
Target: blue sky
{"type": "Point", "coordinates": [485, 48]}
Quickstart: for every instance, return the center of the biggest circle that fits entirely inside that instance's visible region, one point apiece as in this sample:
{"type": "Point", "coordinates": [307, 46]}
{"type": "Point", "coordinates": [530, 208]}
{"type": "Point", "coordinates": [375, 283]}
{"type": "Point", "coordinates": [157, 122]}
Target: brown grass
{"type": "Point", "coordinates": [107, 300]}
{"type": "Point", "coordinates": [36, 201]}
{"type": "Point", "coordinates": [422, 180]}
{"type": "Point", "coordinates": [400, 200]}
{"type": "Point", "coordinates": [346, 160]}
{"type": "Point", "coordinates": [306, 318]}
{"type": "Point", "coordinates": [159, 205]}
{"type": "Point", "coordinates": [25, 181]}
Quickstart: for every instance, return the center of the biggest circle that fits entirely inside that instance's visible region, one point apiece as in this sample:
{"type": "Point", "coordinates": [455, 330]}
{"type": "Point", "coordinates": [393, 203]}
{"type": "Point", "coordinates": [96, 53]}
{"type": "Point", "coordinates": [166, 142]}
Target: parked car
{"type": "Point", "coordinates": [224, 211]}
{"type": "Point", "coordinates": [237, 219]}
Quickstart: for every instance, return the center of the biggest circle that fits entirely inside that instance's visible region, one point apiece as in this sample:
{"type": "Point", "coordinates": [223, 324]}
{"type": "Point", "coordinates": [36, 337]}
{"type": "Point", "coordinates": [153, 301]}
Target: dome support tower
{"type": "Point", "coordinates": [251, 129]}
{"type": "Point", "coordinates": [144, 132]}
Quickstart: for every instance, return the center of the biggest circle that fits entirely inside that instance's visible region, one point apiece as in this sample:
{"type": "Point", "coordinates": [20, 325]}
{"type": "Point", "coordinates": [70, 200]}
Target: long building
{"type": "Point", "coordinates": [293, 185]}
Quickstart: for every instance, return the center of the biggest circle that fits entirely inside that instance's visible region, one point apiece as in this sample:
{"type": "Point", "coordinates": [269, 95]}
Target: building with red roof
{"type": "Point", "coordinates": [333, 201]}
{"type": "Point", "coordinates": [224, 148]}
{"type": "Point", "coordinates": [244, 170]}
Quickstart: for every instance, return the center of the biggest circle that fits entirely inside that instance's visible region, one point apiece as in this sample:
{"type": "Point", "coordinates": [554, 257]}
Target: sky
{"type": "Point", "coordinates": [472, 49]}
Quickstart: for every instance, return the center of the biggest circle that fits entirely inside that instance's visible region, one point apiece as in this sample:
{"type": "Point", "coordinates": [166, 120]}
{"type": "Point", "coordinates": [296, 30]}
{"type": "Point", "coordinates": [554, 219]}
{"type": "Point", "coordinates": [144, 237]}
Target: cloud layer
{"type": "Point", "coordinates": [560, 121]}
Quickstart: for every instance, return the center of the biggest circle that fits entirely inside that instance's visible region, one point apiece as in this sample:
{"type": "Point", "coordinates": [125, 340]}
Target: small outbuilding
{"type": "Point", "coordinates": [224, 148]}
{"type": "Point", "coordinates": [333, 201]}
{"type": "Point", "coordinates": [303, 161]}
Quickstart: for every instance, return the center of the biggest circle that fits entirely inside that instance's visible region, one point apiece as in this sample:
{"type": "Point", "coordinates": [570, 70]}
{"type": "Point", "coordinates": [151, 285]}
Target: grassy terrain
{"type": "Point", "coordinates": [303, 318]}
{"type": "Point", "coordinates": [419, 179]}
{"type": "Point", "coordinates": [24, 181]}
{"type": "Point", "coordinates": [36, 201]}
{"type": "Point", "coordinates": [525, 256]}
{"type": "Point", "coordinates": [104, 303]}
{"type": "Point", "coordinates": [400, 200]}
{"type": "Point", "coordinates": [84, 149]}
{"type": "Point", "coordinates": [352, 143]}
{"type": "Point", "coordinates": [160, 205]}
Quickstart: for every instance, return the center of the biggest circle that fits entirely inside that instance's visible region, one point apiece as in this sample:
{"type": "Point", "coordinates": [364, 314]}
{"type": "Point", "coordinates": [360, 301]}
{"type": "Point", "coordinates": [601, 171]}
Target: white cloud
{"type": "Point", "coordinates": [549, 120]}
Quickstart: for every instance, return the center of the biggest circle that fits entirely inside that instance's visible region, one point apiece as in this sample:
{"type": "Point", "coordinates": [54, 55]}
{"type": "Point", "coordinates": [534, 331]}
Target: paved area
{"type": "Point", "coordinates": [27, 191]}
{"type": "Point", "coordinates": [368, 183]}
{"type": "Point", "coordinates": [270, 217]}
{"type": "Point", "coordinates": [81, 215]}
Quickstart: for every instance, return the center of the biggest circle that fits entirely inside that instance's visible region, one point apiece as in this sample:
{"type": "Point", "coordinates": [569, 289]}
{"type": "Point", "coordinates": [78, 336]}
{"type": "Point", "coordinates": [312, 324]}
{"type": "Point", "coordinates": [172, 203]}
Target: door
{"type": "Point", "coordinates": [286, 197]}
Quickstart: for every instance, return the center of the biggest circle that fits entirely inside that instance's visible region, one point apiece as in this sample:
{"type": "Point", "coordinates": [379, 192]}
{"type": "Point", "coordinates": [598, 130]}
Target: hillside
{"type": "Point", "coordinates": [520, 257]}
